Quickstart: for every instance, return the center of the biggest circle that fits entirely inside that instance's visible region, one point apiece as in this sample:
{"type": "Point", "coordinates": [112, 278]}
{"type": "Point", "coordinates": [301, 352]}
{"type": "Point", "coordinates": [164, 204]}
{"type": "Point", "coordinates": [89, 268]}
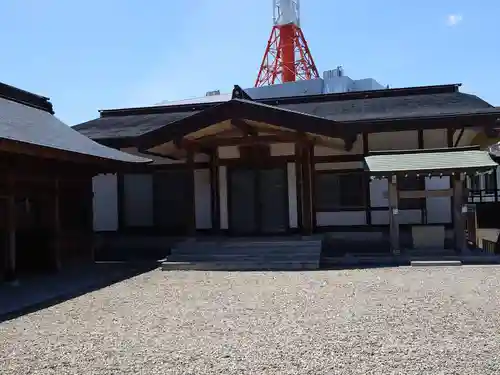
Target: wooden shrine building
{"type": "Point", "coordinates": [453, 163]}
{"type": "Point", "coordinates": [273, 166]}
{"type": "Point", "coordinates": [46, 185]}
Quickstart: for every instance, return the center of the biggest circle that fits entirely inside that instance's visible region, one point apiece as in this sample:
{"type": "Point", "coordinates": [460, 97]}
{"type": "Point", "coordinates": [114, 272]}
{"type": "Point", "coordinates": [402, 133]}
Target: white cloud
{"type": "Point", "coordinates": [453, 19]}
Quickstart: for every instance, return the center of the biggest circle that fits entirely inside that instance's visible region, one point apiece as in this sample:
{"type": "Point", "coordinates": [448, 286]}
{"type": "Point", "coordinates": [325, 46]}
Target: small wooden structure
{"type": "Point", "coordinates": [46, 185]}
{"type": "Point", "coordinates": [455, 162]}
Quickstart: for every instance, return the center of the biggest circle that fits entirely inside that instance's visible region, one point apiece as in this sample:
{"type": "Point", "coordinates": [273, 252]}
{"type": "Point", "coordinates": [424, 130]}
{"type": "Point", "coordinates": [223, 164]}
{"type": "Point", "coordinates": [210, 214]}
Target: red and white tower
{"type": "Point", "coordinates": [287, 57]}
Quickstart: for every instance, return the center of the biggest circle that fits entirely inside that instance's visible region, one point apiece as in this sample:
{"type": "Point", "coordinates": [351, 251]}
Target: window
{"type": "Point", "coordinates": [337, 191]}
{"type": "Point", "coordinates": [411, 183]}
{"type": "Point", "coordinates": [490, 183]}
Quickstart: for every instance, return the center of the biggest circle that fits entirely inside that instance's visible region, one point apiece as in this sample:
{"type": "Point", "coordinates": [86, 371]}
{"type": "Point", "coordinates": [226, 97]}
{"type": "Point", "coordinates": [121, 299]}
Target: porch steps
{"type": "Point", "coordinates": [435, 263]}
{"type": "Point", "coordinates": [234, 255]}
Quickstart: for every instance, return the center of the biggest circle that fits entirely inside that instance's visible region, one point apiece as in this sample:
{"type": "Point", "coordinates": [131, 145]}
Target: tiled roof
{"type": "Point", "coordinates": [393, 107]}
{"type": "Point", "coordinates": [28, 124]}
{"type": "Point", "coordinates": [431, 162]}
{"type": "Point", "coordinates": [376, 105]}
{"type": "Point", "coordinates": [128, 125]}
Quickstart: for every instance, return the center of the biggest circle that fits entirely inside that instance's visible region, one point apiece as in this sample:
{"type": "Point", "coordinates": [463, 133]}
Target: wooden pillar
{"type": "Point", "coordinates": [215, 191]}
{"type": "Point", "coordinates": [393, 215]}
{"type": "Point", "coordinates": [191, 205]}
{"type": "Point", "coordinates": [57, 226]}
{"type": "Point", "coordinates": [307, 175]}
{"type": "Point", "coordinates": [11, 269]}
{"type": "Point", "coordinates": [299, 185]}
{"type": "Point", "coordinates": [366, 182]}
{"type": "Point", "coordinates": [458, 215]}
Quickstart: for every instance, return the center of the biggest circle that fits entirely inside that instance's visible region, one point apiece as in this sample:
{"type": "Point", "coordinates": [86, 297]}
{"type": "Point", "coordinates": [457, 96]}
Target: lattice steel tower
{"type": "Point", "coordinates": [287, 57]}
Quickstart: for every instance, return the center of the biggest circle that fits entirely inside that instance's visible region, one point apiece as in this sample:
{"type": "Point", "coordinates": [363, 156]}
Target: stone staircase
{"type": "Point", "coordinates": [249, 254]}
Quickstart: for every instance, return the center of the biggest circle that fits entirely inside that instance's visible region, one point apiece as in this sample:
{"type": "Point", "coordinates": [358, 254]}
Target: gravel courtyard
{"type": "Point", "coordinates": [376, 321]}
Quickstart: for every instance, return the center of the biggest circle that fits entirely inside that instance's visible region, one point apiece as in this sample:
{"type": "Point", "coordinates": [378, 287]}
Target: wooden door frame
{"type": "Point", "coordinates": [258, 214]}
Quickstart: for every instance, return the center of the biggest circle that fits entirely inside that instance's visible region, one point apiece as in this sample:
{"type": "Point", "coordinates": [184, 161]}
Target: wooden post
{"type": "Point", "coordinates": [458, 215]}
{"type": "Point", "coordinates": [393, 215]}
{"type": "Point", "coordinates": [307, 214]}
{"type": "Point", "coordinates": [191, 206]}
{"type": "Point", "coordinates": [299, 185]}
{"type": "Point", "coordinates": [57, 226]}
{"type": "Point", "coordinates": [11, 269]}
{"type": "Point", "coordinates": [215, 191]}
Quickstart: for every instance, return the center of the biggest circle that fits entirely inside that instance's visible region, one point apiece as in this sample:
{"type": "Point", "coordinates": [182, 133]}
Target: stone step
{"type": "Point", "coordinates": [240, 266]}
{"type": "Point", "coordinates": [246, 250]}
{"type": "Point", "coordinates": [249, 245]}
{"type": "Point", "coordinates": [435, 263]}
{"type": "Point", "coordinates": [243, 257]}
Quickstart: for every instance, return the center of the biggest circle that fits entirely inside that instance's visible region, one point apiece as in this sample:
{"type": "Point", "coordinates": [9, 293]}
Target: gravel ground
{"type": "Point", "coordinates": [377, 321]}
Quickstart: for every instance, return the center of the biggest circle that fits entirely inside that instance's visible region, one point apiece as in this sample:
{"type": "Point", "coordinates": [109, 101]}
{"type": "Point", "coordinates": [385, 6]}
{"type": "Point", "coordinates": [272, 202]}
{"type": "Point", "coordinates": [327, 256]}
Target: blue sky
{"type": "Point", "coordinates": [90, 55]}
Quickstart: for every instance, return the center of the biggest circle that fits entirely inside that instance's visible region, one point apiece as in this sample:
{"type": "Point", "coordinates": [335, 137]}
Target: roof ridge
{"type": "Point", "coordinates": [367, 94]}
{"type": "Point", "coordinates": [26, 98]}
{"type": "Point", "coordinates": [344, 96]}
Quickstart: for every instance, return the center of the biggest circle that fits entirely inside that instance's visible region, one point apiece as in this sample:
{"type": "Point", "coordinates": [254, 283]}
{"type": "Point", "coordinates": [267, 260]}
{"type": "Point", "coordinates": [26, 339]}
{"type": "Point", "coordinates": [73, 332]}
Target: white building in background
{"type": "Point", "coordinates": [334, 81]}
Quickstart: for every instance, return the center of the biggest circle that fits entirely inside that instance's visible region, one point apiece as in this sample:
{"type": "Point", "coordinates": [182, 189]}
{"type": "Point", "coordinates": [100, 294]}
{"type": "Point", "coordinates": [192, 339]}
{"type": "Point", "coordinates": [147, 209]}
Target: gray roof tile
{"type": "Point", "coordinates": [393, 107]}
{"type": "Point", "coordinates": [377, 108]}
{"type": "Point", "coordinates": [26, 124]}
{"type": "Point", "coordinates": [128, 125]}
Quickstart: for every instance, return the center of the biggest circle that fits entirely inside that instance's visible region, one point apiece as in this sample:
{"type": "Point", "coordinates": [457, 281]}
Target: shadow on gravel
{"type": "Point", "coordinates": [40, 292]}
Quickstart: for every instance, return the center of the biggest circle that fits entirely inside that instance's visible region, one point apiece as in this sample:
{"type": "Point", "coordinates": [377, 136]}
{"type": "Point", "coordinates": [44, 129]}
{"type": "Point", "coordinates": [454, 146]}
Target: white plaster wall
{"type": "Point", "coordinates": [378, 198]}
{"type": "Point", "coordinates": [228, 152]}
{"type": "Point", "coordinates": [105, 202]}
{"type": "Point", "coordinates": [281, 149]}
{"type": "Point", "coordinates": [341, 218]}
{"type": "Point", "coordinates": [404, 217]}
{"type": "Point", "coordinates": [404, 140]}
{"type": "Point", "coordinates": [378, 191]}
{"type": "Point", "coordinates": [224, 223]}
{"type": "Point", "coordinates": [138, 200]}
{"type": "Point", "coordinates": [203, 199]}
{"type": "Point", "coordinates": [292, 195]}
{"type": "Point", "coordinates": [438, 208]}
{"type": "Point", "coordinates": [435, 138]}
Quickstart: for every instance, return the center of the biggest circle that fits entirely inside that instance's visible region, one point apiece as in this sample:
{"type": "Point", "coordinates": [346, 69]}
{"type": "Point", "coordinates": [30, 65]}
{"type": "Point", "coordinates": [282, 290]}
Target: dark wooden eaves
{"type": "Point", "coordinates": [242, 109]}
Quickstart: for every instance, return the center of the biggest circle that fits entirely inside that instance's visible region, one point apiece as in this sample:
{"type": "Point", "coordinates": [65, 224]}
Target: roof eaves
{"type": "Point", "coordinates": [486, 112]}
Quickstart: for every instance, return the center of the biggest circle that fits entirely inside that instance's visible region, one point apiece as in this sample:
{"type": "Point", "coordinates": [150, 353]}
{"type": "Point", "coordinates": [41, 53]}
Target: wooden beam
{"type": "Point", "coordinates": [244, 127]}
{"type": "Point", "coordinates": [415, 194]}
{"type": "Point", "coordinates": [366, 180]}
{"type": "Point", "coordinates": [460, 135]}
{"type": "Point", "coordinates": [299, 185]}
{"type": "Point", "coordinates": [244, 141]}
{"type": "Point", "coordinates": [307, 175]}
{"type": "Point", "coordinates": [458, 215]}
{"type": "Point", "coordinates": [215, 191]}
